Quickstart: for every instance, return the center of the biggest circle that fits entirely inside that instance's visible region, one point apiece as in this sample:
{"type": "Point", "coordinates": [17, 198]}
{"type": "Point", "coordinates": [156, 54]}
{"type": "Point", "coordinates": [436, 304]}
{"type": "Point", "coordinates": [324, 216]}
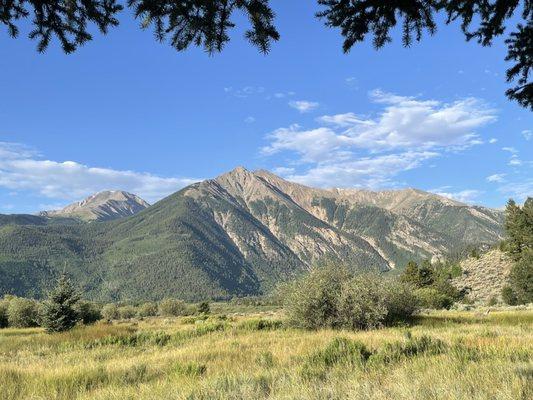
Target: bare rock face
{"type": "Point", "coordinates": [375, 230]}
{"type": "Point", "coordinates": [483, 278]}
{"type": "Point", "coordinates": [102, 206]}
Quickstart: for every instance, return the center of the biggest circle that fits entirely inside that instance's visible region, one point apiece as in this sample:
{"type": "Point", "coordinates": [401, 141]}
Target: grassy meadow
{"type": "Point", "coordinates": [249, 353]}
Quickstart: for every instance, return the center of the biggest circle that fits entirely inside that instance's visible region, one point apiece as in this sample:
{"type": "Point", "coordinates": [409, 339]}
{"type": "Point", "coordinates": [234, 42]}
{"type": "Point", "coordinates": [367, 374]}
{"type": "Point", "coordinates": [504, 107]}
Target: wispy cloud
{"type": "Point", "coordinates": [245, 91]}
{"type": "Point", "coordinates": [464, 196]}
{"type": "Point", "coordinates": [496, 178]}
{"type": "Point", "coordinates": [350, 150]}
{"type": "Point", "coordinates": [493, 140]}
{"type": "Point", "coordinates": [249, 120]}
{"type": "Point", "coordinates": [511, 150]}
{"type": "Point", "coordinates": [527, 134]}
{"type": "Point", "coordinates": [22, 168]}
{"type": "Point", "coordinates": [304, 106]}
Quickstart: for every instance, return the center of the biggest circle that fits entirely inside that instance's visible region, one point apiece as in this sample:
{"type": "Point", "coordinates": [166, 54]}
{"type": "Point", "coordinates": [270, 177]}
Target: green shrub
{"type": "Point", "coordinates": [203, 308]}
{"type": "Point", "coordinates": [110, 312]}
{"type": "Point", "coordinates": [361, 304]}
{"type": "Point", "coordinates": [400, 301]}
{"type": "Point", "coordinates": [509, 296]}
{"type": "Point", "coordinates": [331, 297]}
{"type": "Point", "coordinates": [23, 313]}
{"type": "Point", "coordinates": [127, 312]}
{"type": "Point", "coordinates": [147, 310]}
{"type": "Point", "coordinates": [88, 312]}
{"type": "Point", "coordinates": [311, 301]}
{"type": "Point", "coordinates": [429, 297]}
{"type": "Point", "coordinates": [172, 308]}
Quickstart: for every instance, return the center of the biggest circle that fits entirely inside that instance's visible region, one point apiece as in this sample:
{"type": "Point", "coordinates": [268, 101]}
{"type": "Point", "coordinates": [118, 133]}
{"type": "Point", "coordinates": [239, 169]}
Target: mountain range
{"type": "Point", "coordinates": [239, 234]}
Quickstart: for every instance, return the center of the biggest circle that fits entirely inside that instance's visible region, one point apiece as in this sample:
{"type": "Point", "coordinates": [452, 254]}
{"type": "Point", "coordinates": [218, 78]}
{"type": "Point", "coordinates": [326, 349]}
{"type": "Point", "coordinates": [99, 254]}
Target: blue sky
{"type": "Point", "coordinates": [126, 112]}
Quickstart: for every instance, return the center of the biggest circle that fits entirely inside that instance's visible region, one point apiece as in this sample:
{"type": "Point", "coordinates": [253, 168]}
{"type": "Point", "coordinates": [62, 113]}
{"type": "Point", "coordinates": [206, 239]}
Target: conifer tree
{"type": "Point", "coordinates": [58, 312]}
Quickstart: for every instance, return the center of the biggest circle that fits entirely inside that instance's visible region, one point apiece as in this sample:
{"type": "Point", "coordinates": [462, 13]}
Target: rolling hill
{"type": "Point", "coordinates": [238, 234]}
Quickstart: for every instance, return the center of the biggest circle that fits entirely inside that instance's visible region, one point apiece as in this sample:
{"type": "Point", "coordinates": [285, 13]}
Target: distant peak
{"type": "Point", "coordinates": [101, 206]}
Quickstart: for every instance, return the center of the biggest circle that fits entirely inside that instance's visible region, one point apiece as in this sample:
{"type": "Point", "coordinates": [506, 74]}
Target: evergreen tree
{"type": "Point", "coordinates": [519, 227]}
{"type": "Point", "coordinates": [410, 274]}
{"type": "Point", "coordinates": [521, 279]}
{"type": "Point", "coordinates": [58, 312]}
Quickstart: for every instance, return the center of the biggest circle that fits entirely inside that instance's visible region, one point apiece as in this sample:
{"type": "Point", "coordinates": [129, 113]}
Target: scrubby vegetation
{"type": "Point", "coordinates": [332, 297]}
{"type": "Point", "coordinates": [432, 283]}
{"type": "Point", "coordinates": [257, 356]}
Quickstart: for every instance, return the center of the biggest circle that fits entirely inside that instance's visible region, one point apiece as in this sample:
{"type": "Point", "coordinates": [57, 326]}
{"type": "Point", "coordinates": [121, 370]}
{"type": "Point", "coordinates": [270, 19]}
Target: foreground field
{"type": "Point", "coordinates": [251, 355]}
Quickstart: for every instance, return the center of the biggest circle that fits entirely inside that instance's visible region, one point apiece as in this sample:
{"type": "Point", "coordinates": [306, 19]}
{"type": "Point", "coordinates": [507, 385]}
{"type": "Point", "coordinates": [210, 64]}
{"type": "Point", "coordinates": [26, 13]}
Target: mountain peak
{"type": "Point", "coordinates": [102, 206]}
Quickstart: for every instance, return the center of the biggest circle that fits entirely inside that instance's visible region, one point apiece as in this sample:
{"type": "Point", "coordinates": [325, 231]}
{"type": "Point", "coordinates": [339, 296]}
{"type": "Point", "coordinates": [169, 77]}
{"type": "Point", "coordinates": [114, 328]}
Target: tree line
{"type": "Point", "coordinates": [63, 309]}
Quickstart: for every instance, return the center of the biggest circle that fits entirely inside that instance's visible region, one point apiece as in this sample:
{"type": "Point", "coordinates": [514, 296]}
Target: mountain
{"type": "Point", "coordinates": [239, 234]}
{"type": "Point", "coordinates": [102, 206]}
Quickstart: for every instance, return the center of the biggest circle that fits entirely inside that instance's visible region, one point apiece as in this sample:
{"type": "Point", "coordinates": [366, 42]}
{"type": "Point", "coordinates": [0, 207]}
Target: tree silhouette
{"type": "Point", "coordinates": [206, 23]}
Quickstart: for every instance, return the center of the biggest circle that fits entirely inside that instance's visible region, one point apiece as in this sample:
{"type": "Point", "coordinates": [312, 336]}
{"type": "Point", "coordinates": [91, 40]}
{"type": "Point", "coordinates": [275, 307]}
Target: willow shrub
{"type": "Point", "coordinates": [332, 297]}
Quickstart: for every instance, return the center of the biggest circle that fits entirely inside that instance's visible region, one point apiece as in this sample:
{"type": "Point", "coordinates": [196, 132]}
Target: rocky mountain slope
{"type": "Point", "coordinates": [483, 278]}
{"type": "Point", "coordinates": [240, 233]}
{"type": "Point", "coordinates": [102, 206]}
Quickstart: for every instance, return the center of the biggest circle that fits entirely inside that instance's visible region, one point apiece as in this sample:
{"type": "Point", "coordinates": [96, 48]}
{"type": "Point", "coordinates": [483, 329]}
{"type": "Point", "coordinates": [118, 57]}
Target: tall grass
{"type": "Point", "coordinates": [446, 355]}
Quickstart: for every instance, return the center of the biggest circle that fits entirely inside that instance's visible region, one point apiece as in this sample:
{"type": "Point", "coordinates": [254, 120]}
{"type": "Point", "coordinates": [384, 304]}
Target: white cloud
{"type": "Point", "coordinates": [370, 172]}
{"type": "Point", "coordinates": [303, 105]}
{"type": "Point", "coordinates": [511, 150]}
{"type": "Point", "coordinates": [515, 161]}
{"type": "Point", "coordinates": [496, 178]}
{"type": "Point", "coordinates": [23, 169]}
{"type": "Point", "coordinates": [249, 120]}
{"type": "Point", "coordinates": [463, 196]}
{"type": "Point", "coordinates": [527, 134]}
{"type": "Point", "coordinates": [343, 120]}
{"type": "Point", "coordinates": [493, 140]}
{"type": "Point", "coordinates": [356, 150]}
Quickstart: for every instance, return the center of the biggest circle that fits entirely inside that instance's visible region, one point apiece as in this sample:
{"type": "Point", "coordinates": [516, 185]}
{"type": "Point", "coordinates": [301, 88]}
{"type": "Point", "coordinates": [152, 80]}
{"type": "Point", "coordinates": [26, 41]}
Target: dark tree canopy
{"type": "Point", "coordinates": [206, 23]}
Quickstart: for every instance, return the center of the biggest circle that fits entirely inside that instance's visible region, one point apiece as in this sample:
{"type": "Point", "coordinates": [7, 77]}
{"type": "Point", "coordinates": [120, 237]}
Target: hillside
{"type": "Point", "coordinates": [102, 206]}
{"type": "Point", "coordinates": [484, 278]}
{"type": "Point", "coordinates": [238, 234]}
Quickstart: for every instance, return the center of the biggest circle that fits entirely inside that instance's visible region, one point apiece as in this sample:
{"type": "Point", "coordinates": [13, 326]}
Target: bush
{"type": "Point", "coordinates": [311, 301]}
{"type": "Point", "coordinates": [361, 304]}
{"type": "Point", "coordinates": [147, 310]}
{"type": "Point", "coordinates": [509, 296]}
{"type": "Point", "coordinates": [331, 297]}
{"type": "Point", "coordinates": [127, 312]}
{"type": "Point", "coordinates": [88, 312]}
{"type": "Point", "coordinates": [4, 304]}
{"type": "Point", "coordinates": [22, 313]}
{"type": "Point", "coordinates": [400, 301]}
{"type": "Point", "coordinates": [110, 312]}
{"type": "Point", "coordinates": [203, 308]}
{"type": "Point", "coordinates": [429, 297]}
{"type": "Point", "coordinates": [172, 308]}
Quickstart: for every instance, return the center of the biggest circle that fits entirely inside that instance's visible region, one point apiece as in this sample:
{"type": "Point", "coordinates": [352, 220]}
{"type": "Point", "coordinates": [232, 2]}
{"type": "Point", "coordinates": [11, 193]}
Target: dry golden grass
{"type": "Point", "coordinates": [477, 357]}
